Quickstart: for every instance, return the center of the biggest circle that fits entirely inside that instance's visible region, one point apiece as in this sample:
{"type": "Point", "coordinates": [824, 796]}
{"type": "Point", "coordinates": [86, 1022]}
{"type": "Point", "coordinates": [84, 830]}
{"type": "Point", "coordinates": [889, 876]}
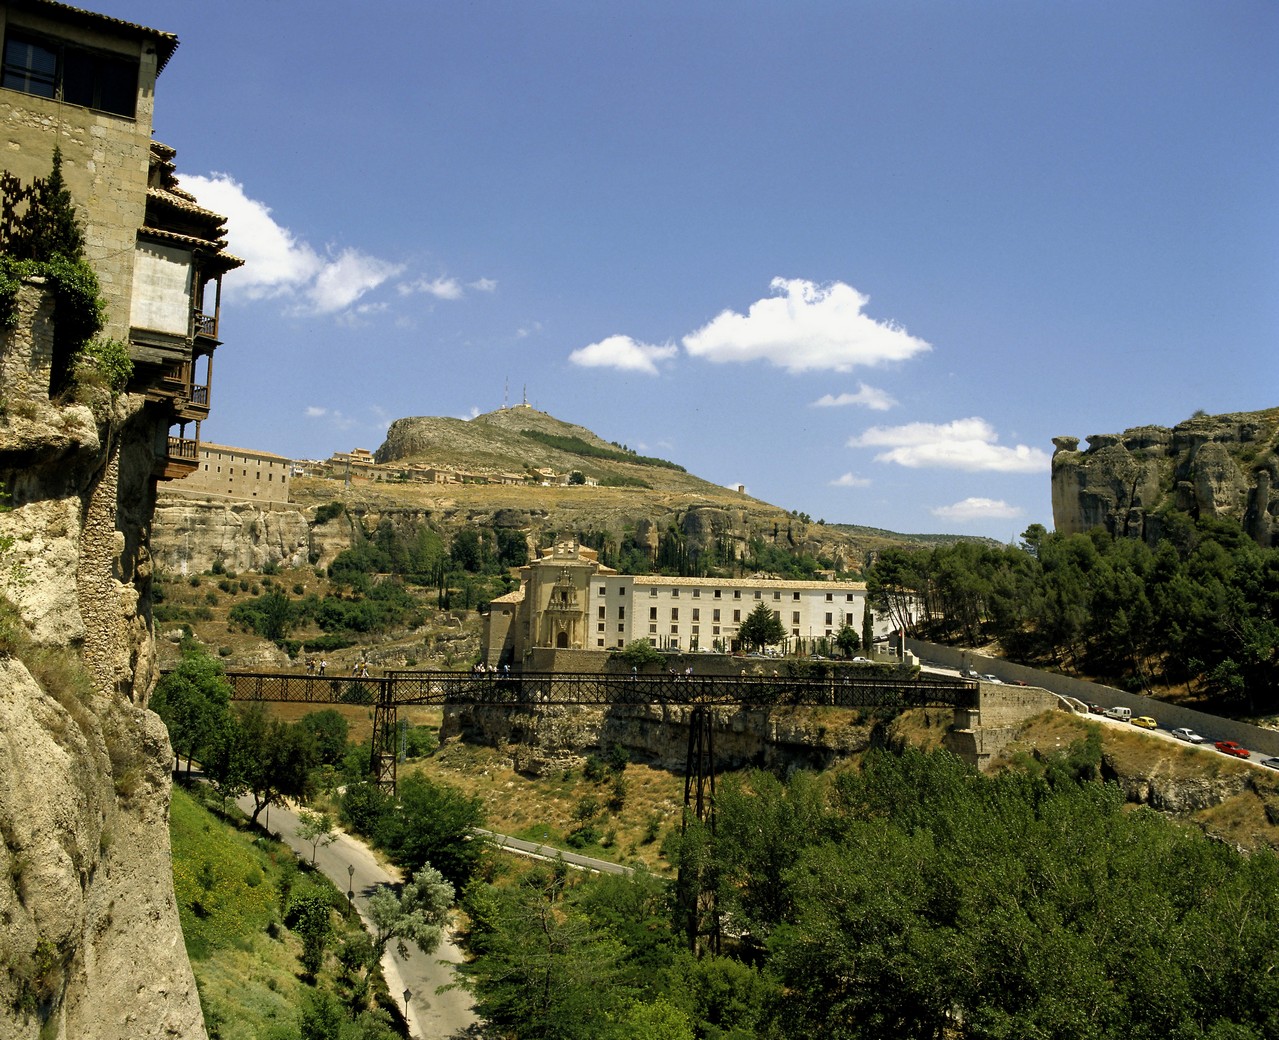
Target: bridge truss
{"type": "Point", "coordinates": [530, 691]}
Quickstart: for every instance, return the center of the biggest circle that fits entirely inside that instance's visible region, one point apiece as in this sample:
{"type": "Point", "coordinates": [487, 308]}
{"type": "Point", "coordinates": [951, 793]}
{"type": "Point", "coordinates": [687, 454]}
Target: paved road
{"type": "Point", "coordinates": [1257, 758]}
{"type": "Point", "coordinates": [535, 850]}
{"type": "Point", "coordinates": [432, 1015]}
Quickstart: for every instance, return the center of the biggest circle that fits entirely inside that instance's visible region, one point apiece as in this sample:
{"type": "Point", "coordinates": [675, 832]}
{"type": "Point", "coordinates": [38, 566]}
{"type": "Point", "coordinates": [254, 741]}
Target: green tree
{"type": "Point", "coordinates": [308, 914]}
{"type": "Point", "coordinates": [329, 729]}
{"type": "Point", "coordinates": [417, 914]}
{"type": "Point", "coordinates": [847, 639]}
{"type": "Point", "coordinates": [761, 627]}
{"type": "Point", "coordinates": [316, 829]}
{"type": "Point", "coordinates": [271, 758]}
{"type": "Point", "coordinates": [194, 702]}
{"type": "Point", "coordinates": [542, 971]}
{"type": "Point", "coordinates": [433, 824]}
{"type": "Point", "coordinates": [639, 652]}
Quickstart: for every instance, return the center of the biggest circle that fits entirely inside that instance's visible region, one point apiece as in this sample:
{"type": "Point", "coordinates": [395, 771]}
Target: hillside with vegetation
{"type": "Point", "coordinates": [897, 895]}
{"type": "Point", "coordinates": [1192, 618]}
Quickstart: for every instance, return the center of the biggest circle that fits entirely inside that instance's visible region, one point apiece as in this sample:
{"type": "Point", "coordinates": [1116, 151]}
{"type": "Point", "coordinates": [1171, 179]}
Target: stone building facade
{"type": "Point", "coordinates": [84, 84]}
{"type": "Point", "coordinates": [568, 600]}
{"type": "Point", "coordinates": [241, 474]}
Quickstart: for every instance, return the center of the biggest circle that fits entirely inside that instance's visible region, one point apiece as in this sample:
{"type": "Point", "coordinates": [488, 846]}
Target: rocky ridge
{"type": "Point", "coordinates": [1223, 466]}
{"type": "Point", "coordinates": [191, 534]}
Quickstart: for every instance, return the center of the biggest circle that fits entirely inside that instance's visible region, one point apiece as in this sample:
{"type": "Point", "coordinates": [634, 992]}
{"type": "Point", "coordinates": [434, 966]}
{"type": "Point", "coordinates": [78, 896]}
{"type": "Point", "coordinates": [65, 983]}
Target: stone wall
{"type": "Point", "coordinates": [105, 158]}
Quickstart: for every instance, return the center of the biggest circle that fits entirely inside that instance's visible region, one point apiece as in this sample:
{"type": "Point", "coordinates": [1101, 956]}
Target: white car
{"type": "Point", "coordinates": [1188, 735]}
{"type": "Point", "coordinates": [991, 679]}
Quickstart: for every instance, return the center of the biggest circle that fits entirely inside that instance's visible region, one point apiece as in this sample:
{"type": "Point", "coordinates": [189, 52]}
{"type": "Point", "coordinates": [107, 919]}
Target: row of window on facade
{"type": "Point", "coordinates": [715, 615]}
{"type": "Point", "coordinates": [244, 472]}
{"type": "Point", "coordinates": [737, 594]}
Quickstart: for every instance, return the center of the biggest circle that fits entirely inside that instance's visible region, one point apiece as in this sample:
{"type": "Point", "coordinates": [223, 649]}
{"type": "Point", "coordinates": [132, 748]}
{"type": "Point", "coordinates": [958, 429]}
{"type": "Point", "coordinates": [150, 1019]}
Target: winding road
{"type": "Point", "coordinates": [351, 866]}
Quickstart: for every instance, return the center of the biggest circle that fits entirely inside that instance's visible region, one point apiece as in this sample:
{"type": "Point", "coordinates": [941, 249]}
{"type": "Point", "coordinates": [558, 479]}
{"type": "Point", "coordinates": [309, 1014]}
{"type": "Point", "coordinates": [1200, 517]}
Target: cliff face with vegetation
{"type": "Point", "coordinates": [91, 945]}
{"type": "Point", "coordinates": [1224, 466]}
{"type": "Point", "coordinates": [631, 504]}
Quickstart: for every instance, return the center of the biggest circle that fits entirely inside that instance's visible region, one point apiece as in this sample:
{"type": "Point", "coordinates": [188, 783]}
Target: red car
{"type": "Point", "coordinates": [1229, 747]}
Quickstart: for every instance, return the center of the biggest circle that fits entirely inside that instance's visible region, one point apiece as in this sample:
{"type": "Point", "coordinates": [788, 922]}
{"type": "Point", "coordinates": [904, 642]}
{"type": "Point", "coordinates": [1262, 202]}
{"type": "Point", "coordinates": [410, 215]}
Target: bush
{"type": "Point", "coordinates": [363, 808]}
{"type": "Point", "coordinates": [325, 513]}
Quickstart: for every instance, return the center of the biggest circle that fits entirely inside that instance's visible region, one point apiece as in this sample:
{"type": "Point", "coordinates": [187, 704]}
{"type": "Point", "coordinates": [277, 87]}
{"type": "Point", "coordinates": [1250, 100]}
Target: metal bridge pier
{"type": "Point", "coordinates": [696, 885]}
{"type": "Point", "coordinates": [383, 755]}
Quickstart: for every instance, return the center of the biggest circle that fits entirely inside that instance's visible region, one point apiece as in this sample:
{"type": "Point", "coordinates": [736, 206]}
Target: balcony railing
{"type": "Point", "coordinates": [184, 448]}
{"type": "Point", "coordinates": [206, 325]}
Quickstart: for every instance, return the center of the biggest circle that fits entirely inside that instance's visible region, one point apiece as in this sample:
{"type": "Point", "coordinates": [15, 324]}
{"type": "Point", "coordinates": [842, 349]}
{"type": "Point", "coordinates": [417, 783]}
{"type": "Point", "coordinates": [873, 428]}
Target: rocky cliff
{"type": "Point", "coordinates": [190, 535]}
{"type": "Point", "coordinates": [91, 946]}
{"type": "Point", "coordinates": [545, 741]}
{"type": "Point", "coordinates": [1224, 466]}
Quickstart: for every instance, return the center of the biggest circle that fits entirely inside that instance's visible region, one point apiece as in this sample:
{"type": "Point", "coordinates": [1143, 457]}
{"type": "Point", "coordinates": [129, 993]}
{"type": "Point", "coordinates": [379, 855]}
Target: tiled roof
{"type": "Point", "coordinates": [749, 583]}
{"type": "Point", "coordinates": [210, 446]}
{"type": "Point", "coordinates": [184, 201]}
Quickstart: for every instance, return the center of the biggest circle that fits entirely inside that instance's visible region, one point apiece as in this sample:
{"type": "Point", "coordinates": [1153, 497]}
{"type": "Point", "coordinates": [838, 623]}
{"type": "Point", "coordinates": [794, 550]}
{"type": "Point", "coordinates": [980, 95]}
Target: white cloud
{"type": "Point", "coordinates": [276, 261]}
{"type": "Point", "coordinates": [804, 327]}
{"type": "Point", "coordinates": [344, 280]}
{"type": "Point", "coordinates": [440, 288]}
{"type": "Point", "coordinates": [334, 418]}
{"type": "Point", "coordinates": [624, 353]}
{"type": "Point", "coordinates": [848, 480]}
{"type": "Point", "coordinates": [965, 444]}
{"type": "Point", "coordinates": [867, 396]}
{"type": "Point", "coordinates": [446, 288]}
{"type": "Point", "coordinates": [978, 509]}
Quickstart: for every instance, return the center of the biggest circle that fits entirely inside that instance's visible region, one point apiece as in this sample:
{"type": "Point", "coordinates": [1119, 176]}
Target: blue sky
{"type": "Point", "coordinates": [867, 259]}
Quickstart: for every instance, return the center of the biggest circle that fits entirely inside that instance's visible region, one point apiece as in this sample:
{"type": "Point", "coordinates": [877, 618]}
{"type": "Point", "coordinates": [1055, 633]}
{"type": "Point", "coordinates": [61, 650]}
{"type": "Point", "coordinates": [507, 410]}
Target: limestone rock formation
{"type": "Point", "coordinates": [190, 535]}
{"type": "Point", "coordinates": [1224, 466]}
{"type": "Point", "coordinates": [547, 740]}
{"type": "Point", "coordinates": [91, 945]}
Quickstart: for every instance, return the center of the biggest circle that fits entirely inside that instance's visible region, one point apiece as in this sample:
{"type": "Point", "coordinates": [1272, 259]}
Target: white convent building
{"type": "Point", "coordinates": [569, 601]}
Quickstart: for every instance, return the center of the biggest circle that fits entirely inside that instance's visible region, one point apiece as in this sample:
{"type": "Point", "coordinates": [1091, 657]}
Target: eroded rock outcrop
{"type": "Point", "coordinates": [91, 946]}
{"type": "Point", "coordinates": [190, 536]}
{"type": "Point", "coordinates": [1223, 466]}
{"type": "Point", "coordinates": [547, 740]}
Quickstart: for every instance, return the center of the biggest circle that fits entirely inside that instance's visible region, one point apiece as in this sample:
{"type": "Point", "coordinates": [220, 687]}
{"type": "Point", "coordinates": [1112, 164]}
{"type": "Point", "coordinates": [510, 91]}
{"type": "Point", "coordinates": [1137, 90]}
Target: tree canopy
{"type": "Point", "coordinates": [1199, 608]}
{"type": "Point", "coordinates": [761, 628]}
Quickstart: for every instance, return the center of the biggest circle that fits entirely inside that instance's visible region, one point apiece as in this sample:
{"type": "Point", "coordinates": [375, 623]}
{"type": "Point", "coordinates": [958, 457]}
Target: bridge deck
{"type": "Point", "coordinates": [588, 688]}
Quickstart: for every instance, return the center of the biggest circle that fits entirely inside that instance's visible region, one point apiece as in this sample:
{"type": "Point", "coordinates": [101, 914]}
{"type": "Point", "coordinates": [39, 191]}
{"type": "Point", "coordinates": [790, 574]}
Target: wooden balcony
{"type": "Point", "coordinates": [182, 460]}
{"type": "Point", "coordinates": [205, 326]}
{"type": "Point", "coordinates": [189, 400]}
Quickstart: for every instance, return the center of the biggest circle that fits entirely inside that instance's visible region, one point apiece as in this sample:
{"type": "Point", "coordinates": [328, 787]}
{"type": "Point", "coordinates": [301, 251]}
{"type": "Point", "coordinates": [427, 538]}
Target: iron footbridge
{"type": "Point", "coordinates": [386, 694]}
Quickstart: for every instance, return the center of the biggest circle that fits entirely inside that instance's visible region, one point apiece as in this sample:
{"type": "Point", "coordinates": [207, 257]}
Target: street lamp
{"type": "Point", "coordinates": [407, 996]}
{"type": "Point", "coordinates": [350, 890]}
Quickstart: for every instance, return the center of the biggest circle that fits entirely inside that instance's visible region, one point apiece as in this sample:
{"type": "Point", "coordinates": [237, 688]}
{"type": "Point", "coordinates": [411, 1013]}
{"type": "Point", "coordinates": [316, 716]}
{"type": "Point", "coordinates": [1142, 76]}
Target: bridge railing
{"type": "Point", "coordinates": [402, 688]}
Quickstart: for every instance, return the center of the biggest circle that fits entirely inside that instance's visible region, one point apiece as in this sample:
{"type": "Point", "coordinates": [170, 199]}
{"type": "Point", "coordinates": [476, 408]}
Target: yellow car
{"type": "Point", "coordinates": [1145, 722]}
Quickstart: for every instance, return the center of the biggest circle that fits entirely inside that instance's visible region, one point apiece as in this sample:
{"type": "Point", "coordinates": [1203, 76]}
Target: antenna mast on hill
{"type": "Point", "coordinates": [506, 393]}
{"type": "Point", "coordinates": [526, 395]}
